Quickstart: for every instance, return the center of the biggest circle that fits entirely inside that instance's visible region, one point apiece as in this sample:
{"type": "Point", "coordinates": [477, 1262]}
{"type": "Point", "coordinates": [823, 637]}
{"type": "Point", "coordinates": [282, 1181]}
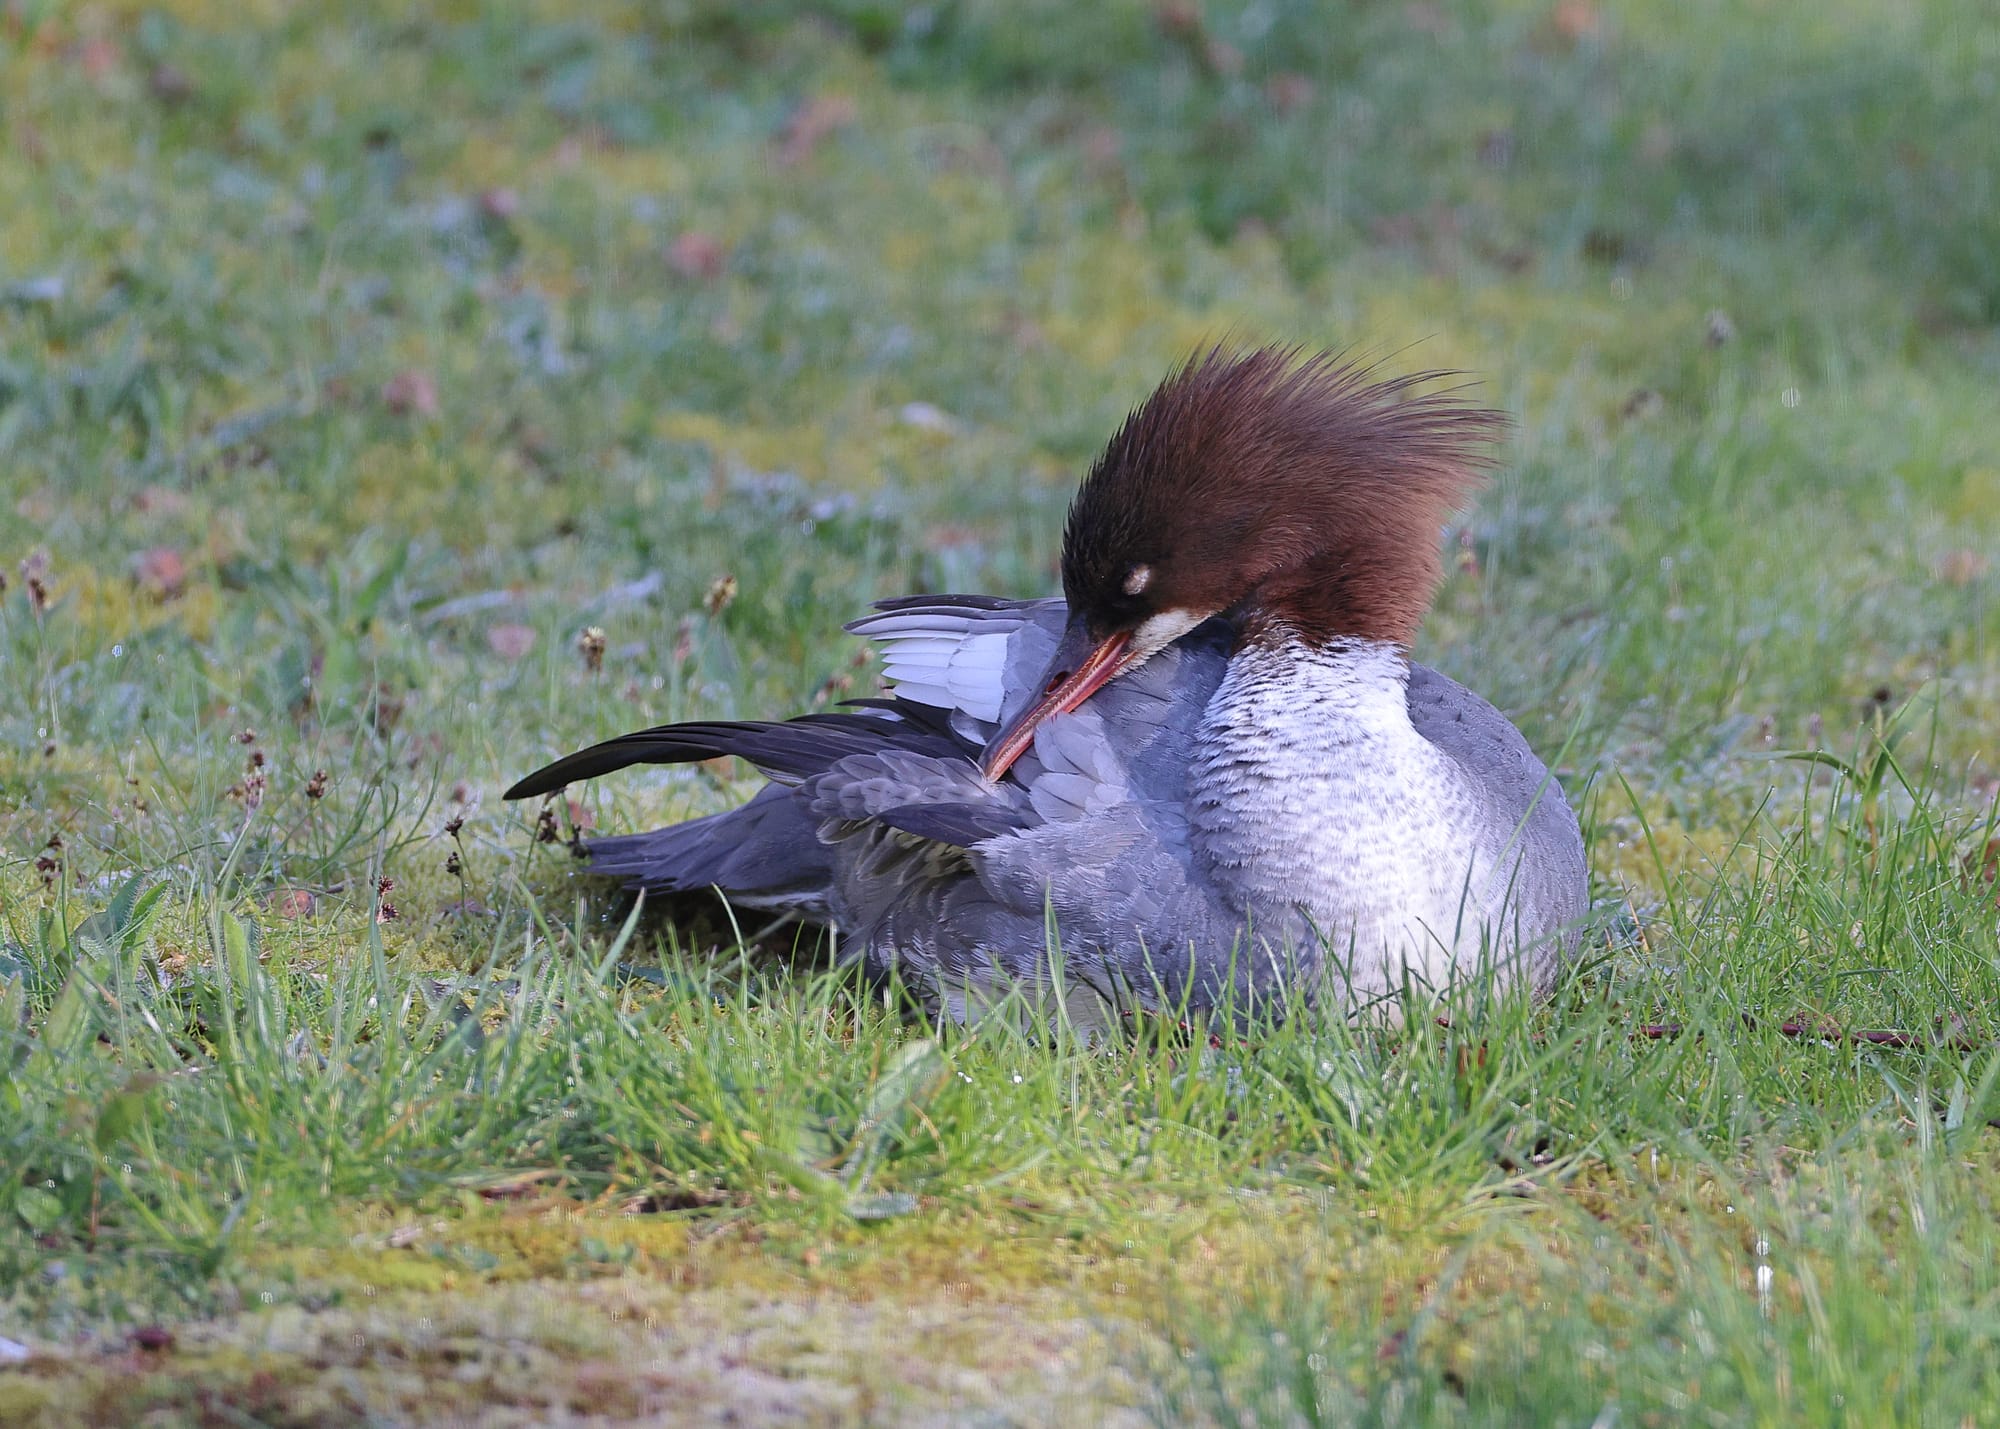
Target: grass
{"type": "Point", "coordinates": [353, 364]}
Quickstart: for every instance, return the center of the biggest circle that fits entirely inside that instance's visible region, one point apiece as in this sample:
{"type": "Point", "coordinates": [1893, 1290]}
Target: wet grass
{"type": "Point", "coordinates": [355, 365]}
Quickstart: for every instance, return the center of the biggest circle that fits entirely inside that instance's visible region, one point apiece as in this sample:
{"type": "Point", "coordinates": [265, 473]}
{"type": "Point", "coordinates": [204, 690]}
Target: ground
{"type": "Point", "coordinates": [392, 399]}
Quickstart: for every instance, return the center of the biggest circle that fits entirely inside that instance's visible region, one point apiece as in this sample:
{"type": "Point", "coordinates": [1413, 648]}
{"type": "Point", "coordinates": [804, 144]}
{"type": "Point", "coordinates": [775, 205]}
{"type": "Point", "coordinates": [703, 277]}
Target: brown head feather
{"type": "Point", "coordinates": [1302, 490]}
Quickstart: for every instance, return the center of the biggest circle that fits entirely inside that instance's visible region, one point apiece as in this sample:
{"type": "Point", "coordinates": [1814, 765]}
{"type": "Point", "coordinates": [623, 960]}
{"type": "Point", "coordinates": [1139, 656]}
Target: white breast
{"type": "Point", "coordinates": [1312, 791]}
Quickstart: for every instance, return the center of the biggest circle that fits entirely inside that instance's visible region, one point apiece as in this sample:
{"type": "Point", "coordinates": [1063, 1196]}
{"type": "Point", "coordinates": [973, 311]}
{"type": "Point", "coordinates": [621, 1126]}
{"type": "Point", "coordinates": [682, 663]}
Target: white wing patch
{"type": "Point", "coordinates": [949, 661]}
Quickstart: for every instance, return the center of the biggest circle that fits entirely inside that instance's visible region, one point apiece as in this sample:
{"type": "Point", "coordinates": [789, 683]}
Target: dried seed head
{"type": "Point", "coordinates": [720, 594]}
{"type": "Point", "coordinates": [316, 786]}
{"type": "Point", "coordinates": [833, 687]}
{"type": "Point", "coordinates": [590, 644]}
{"type": "Point", "coordinates": [153, 1338]}
{"type": "Point", "coordinates": [49, 864]}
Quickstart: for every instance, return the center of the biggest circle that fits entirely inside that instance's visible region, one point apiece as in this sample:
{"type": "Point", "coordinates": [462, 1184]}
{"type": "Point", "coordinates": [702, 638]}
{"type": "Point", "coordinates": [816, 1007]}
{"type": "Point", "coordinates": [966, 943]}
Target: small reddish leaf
{"type": "Point", "coordinates": [98, 56]}
{"type": "Point", "coordinates": [1962, 566]}
{"type": "Point", "coordinates": [511, 642]}
{"type": "Point", "coordinates": [696, 255]}
{"type": "Point", "coordinates": [291, 903]}
{"type": "Point", "coordinates": [411, 391]}
{"type": "Point", "coordinates": [160, 572]}
{"type": "Point", "coordinates": [159, 500]}
{"type": "Point", "coordinates": [810, 125]}
{"type": "Point", "coordinates": [1289, 92]}
{"type": "Point", "coordinates": [1101, 147]}
{"type": "Point", "coordinates": [1576, 20]}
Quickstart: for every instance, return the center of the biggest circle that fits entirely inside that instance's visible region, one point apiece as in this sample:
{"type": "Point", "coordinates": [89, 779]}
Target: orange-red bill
{"type": "Point", "coordinates": [1066, 690]}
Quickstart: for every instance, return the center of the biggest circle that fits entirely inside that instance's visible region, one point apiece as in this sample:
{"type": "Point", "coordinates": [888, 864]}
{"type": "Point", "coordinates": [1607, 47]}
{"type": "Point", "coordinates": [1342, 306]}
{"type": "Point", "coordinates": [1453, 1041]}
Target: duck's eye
{"type": "Point", "coordinates": [1137, 579]}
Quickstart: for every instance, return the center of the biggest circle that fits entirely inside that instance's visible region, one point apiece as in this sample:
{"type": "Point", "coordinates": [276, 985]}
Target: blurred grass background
{"type": "Point", "coordinates": [356, 358]}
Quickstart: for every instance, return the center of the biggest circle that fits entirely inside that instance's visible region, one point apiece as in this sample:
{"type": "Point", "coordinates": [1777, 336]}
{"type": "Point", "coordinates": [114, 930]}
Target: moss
{"type": "Point", "coordinates": [24, 1400]}
{"type": "Point", "coordinates": [562, 1238]}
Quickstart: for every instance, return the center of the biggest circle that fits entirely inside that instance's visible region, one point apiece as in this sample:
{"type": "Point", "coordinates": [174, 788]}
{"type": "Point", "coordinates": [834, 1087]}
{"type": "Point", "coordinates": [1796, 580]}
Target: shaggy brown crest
{"type": "Point", "coordinates": [1278, 486]}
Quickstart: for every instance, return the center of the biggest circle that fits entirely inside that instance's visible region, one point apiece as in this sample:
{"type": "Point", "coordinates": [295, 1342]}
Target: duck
{"type": "Point", "coordinates": [1206, 778]}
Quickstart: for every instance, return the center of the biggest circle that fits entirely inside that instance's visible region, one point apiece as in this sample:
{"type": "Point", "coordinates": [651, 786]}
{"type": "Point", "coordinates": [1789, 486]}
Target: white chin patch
{"type": "Point", "coordinates": [1160, 631]}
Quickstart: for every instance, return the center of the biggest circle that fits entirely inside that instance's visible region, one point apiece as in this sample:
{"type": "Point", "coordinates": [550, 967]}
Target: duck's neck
{"type": "Point", "coordinates": [1313, 792]}
{"type": "Point", "coordinates": [1348, 690]}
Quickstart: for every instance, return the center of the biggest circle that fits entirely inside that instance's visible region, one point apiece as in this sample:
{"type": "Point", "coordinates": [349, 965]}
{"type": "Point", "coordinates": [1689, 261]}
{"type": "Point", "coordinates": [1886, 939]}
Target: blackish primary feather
{"type": "Point", "coordinates": [1265, 792]}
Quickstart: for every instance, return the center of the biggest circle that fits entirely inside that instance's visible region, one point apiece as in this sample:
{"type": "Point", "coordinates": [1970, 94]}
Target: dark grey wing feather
{"type": "Point", "coordinates": [788, 750]}
{"type": "Point", "coordinates": [954, 604]}
{"type": "Point", "coordinates": [870, 785]}
{"type": "Point", "coordinates": [890, 773]}
{"type": "Point", "coordinates": [766, 854]}
{"type": "Point", "coordinates": [956, 825]}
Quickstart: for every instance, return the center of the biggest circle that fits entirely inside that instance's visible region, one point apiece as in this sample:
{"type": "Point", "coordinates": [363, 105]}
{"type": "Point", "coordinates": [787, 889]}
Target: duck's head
{"type": "Point", "coordinates": [1300, 496]}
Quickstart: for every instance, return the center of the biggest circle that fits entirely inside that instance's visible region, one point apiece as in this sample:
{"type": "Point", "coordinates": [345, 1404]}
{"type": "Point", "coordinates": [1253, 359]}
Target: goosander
{"type": "Point", "coordinates": [1207, 774]}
